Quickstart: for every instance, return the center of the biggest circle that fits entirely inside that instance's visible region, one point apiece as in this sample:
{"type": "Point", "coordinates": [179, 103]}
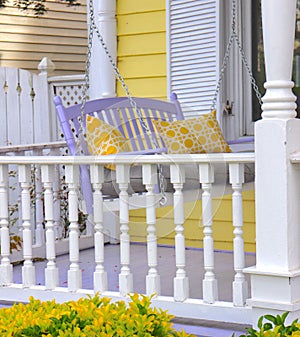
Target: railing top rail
{"type": "Point", "coordinates": [66, 78]}
{"type": "Point", "coordinates": [134, 159]}
{"type": "Point", "coordinates": [32, 147]}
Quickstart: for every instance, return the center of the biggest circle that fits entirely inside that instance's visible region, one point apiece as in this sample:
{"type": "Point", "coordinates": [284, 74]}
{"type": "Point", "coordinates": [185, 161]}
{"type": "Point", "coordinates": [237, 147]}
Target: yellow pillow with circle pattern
{"type": "Point", "coordinates": [196, 135]}
{"type": "Point", "coordinates": [104, 139]}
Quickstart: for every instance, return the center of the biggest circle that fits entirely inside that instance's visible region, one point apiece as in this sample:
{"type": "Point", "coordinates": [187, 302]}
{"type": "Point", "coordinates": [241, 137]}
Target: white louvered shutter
{"type": "Point", "coordinates": [192, 53]}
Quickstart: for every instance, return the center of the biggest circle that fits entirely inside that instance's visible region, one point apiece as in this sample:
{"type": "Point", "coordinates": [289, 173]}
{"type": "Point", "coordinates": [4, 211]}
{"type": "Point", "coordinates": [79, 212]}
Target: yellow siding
{"type": "Point", "coordinates": [60, 35]}
{"type": "Point", "coordinates": [222, 224]}
{"type": "Point", "coordinates": [142, 47]}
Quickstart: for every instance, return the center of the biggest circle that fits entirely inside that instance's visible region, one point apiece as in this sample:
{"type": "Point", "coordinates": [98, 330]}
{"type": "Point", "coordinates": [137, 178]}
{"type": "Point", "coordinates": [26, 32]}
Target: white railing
{"type": "Point", "coordinates": [180, 303]}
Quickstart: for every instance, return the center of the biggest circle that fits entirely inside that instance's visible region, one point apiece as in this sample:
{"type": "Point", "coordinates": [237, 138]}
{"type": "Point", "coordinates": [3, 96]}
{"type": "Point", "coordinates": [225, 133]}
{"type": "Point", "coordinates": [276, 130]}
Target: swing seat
{"type": "Point", "coordinates": [118, 112]}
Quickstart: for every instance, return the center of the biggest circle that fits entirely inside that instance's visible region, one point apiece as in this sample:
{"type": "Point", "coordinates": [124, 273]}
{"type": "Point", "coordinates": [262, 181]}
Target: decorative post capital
{"type": "Point", "coordinates": [278, 20]}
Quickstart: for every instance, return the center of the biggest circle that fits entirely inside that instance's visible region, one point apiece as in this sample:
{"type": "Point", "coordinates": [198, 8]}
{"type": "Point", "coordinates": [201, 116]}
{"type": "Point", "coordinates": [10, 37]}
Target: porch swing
{"type": "Point", "coordinates": [134, 121]}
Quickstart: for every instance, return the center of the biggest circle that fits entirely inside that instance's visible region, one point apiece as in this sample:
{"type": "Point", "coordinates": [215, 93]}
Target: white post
{"type": "Point", "coordinates": [102, 78]}
{"type": "Point", "coordinates": [275, 280]}
{"type": "Point", "coordinates": [44, 121]}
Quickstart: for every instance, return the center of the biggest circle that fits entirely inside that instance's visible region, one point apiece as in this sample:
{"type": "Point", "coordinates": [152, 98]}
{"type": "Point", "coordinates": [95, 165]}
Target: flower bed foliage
{"type": "Point", "coordinates": [87, 317]}
{"type": "Point", "coordinates": [274, 326]}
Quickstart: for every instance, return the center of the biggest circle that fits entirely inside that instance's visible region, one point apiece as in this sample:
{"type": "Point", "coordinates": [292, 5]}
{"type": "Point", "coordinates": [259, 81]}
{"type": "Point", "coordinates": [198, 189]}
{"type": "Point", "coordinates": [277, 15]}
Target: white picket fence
{"type": "Point", "coordinates": [26, 104]}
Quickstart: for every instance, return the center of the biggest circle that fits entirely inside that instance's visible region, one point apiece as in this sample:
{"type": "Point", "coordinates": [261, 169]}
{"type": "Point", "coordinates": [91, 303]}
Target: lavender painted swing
{"type": "Point", "coordinates": [109, 110]}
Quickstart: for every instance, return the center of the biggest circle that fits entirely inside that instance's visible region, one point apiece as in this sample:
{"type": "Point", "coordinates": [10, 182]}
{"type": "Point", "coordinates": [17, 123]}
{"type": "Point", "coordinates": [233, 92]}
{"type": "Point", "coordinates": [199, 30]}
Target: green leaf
{"type": "Point", "coordinates": [268, 326]}
{"type": "Point", "coordinates": [271, 318]}
{"type": "Point", "coordinates": [259, 323]}
{"type": "Point", "coordinates": [279, 320]}
{"type": "Point", "coordinates": [284, 316]}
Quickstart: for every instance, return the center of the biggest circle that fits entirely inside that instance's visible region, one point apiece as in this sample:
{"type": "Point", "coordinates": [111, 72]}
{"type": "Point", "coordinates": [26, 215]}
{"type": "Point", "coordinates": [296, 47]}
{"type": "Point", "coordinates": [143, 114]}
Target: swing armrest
{"type": "Point", "coordinates": [241, 140]}
{"type": "Point", "coordinates": [243, 144]}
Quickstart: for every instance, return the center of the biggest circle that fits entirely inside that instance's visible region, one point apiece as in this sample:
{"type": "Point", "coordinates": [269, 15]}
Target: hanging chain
{"type": "Point", "coordinates": [234, 37]}
{"type": "Point", "coordinates": [85, 89]}
{"type": "Point", "coordinates": [93, 28]}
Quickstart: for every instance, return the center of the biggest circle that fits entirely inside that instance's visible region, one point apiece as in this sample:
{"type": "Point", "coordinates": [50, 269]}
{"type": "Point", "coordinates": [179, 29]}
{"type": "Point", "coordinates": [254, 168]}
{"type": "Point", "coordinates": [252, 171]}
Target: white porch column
{"type": "Point", "coordinates": [102, 78]}
{"type": "Point", "coordinates": [275, 280]}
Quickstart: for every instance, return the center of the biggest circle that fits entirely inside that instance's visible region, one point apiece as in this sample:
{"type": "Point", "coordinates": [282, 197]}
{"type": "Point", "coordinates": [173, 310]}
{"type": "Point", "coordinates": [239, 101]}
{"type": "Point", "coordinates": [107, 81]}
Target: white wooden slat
{"type": "Point", "coordinates": [194, 76]}
{"type": "Point", "coordinates": [193, 53]}
{"type": "Point", "coordinates": [194, 33]}
{"type": "Point", "coordinates": [182, 6]}
{"type": "Point", "coordinates": [13, 107]}
{"type": "Point", "coordinates": [193, 85]}
{"type": "Point", "coordinates": [44, 130]}
{"type": "Point", "coordinates": [26, 107]}
{"type": "Point", "coordinates": [3, 108]}
{"type": "Point", "coordinates": [205, 63]}
{"type": "Point", "coordinates": [192, 26]}
{"type": "Point", "coordinates": [205, 43]}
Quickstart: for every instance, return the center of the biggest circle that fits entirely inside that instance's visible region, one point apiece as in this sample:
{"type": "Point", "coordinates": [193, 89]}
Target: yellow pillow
{"type": "Point", "coordinates": [195, 135]}
{"type": "Point", "coordinates": [103, 139]}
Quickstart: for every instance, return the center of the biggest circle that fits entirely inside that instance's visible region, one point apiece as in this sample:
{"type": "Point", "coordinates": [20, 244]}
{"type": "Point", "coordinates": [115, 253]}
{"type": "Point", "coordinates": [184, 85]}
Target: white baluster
{"type": "Point", "coordinates": [239, 285]}
{"type": "Point", "coordinates": [6, 270]}
{"type": "Point", "coordinates": [58, 230]}
{"type": "Point", "coordinates": [125, 277]}
{"type": "Point", "coordinates": [39, 231]}
{"type": "Point", "coordinates": [210, 288]}
{"type": "Point", "coordinates": [19, 201]}
{"type": "Point", "coordinates": [74, 273]}
{"type": "Point", "coordinates": [28, 270]}
{"type": "Point", "coordinates": [181, 281]}
{"type": "Point", "coordinates": [51, 272]}
{"type": "Point", "coordinates": [153, 278]}
{"type": "Point", "coordinates": [100, 275]}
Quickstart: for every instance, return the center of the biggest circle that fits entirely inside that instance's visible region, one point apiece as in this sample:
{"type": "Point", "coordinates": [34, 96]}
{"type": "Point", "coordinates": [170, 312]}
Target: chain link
{"type": "Point", "coordinates": [234, 37]}
{"type": "Point", "coordinates": [93, 28]}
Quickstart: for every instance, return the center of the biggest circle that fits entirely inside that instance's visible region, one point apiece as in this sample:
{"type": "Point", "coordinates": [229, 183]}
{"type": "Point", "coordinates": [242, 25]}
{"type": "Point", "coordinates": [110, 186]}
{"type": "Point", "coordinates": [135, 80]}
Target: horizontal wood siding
{"type": "Point", "coordinates": [60, 35]}
{"type": "Point", "coordinates": [142, 47]}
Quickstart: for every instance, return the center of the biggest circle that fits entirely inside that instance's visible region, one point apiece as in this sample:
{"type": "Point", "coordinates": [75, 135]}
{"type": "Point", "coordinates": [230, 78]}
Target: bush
{"type": "Point", "coordinates": [87, 317]}
{"type": "Point", "coordinates": [274, 327]}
